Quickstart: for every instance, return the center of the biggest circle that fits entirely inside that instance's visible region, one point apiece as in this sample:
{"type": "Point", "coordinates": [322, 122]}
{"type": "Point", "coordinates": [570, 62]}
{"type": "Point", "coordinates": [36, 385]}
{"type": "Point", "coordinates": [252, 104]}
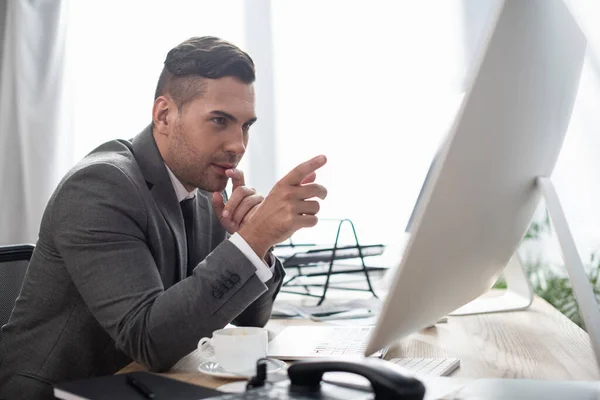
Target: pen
{"type": "Point", "coordinates": [140, 387]}
{"type": "Point", "coordinates": [346, 314]}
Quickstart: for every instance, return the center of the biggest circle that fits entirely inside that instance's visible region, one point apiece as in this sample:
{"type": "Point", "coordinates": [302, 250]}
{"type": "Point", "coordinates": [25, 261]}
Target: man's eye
{"type": "Point", "coordinates": [220, 120]}
{"type": "Point", "coordinates": [246, 127]}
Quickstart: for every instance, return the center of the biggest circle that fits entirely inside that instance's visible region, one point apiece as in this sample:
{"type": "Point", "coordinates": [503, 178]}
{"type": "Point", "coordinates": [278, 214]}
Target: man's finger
{"type": "Point", "coordinates": [310, 178]}
{"type": "Point", "coordinates": [218, 203]}
{"type": "Point", "coordinates": [245, 206]}
{"type": "Point", "coordinates": [310, 207]}
{"type": "Point", "coordinates": [306, 221]}
{"type": "Point", "coordinates": [297, 175]}
{"type": "Point", "coordinates": [236, 198]}
{"type": "Point", "coordinates": [237, 177]}
{"type": "Point", "coordinates": [249, 214]}
{"type": "Point", "coordinates": [310, 190]}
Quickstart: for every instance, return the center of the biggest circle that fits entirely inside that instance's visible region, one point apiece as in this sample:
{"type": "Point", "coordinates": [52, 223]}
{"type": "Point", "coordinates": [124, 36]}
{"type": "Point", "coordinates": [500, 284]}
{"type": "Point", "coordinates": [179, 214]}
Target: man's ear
{"type": "Point", "coordinates": [164, 113]}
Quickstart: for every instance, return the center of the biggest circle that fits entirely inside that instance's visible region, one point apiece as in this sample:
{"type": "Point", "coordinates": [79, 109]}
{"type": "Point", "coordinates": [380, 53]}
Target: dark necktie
{"type": "Point", "coordinates": [187, 208]}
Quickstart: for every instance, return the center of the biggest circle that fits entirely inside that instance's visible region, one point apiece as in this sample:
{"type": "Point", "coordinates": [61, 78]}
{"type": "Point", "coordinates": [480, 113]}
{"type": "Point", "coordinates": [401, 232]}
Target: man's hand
{"type": "Point", "coordinates": [286, 208]}
{"type": "Point", "coordinates": [241, 205]}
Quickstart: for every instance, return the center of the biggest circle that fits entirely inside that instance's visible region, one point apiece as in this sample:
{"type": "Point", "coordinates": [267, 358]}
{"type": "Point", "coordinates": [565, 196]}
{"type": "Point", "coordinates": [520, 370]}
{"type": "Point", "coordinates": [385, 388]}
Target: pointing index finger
{"type": "Point", "coordinates": [297, 175]}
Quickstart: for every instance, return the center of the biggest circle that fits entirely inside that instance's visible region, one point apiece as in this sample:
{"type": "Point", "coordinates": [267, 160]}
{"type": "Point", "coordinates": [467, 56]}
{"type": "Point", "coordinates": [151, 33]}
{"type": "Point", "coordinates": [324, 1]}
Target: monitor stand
{"type": "Point", "coordinates": [582, 287]}
{"type": "Point", "coordinates": [519, 294]}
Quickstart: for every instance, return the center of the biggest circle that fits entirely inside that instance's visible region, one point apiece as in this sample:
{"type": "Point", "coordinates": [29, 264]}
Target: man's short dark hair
{"type": "Point", "coordinates": [201, 58]}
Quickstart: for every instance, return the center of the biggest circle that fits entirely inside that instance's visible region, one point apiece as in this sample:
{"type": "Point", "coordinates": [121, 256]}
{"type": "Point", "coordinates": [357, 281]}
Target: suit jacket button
{"type": "Point", "coordinates": [217, 294]}
{"type": "Point", "coordinates": [228, 283]}
{"type": "Point", "coordinates": [235, 278]}
{"type": "Point", "coordinates": [223, 288]}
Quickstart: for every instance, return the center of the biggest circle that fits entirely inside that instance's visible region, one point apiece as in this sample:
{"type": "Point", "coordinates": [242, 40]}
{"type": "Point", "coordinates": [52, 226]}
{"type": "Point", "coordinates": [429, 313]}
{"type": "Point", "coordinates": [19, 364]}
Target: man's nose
{"type": "Point", "coordinates": [236, 143]}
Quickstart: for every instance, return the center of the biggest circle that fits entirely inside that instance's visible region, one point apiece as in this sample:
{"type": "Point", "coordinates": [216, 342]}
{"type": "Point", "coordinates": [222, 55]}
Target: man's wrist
{"type": "Point", "coordinates": [260, 247]}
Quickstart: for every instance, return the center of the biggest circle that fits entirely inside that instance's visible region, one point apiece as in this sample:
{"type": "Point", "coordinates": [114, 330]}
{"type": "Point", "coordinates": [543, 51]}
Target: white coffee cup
{"type": "Point", "coordinates": [236, 349]}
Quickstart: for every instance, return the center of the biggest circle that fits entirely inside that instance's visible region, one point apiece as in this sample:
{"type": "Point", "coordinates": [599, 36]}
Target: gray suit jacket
{"type": "Point", "coordinates": [107, 281]}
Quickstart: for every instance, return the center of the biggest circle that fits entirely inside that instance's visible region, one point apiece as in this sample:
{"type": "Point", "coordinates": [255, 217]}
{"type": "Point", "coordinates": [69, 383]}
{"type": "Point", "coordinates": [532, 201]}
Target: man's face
{"type": "Point", "coordinates": [210, 134]}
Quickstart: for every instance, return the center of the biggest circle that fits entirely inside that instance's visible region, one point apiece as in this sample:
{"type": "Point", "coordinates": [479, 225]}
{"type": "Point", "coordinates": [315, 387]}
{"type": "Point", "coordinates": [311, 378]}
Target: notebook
{"type": "Point", "coordinates": [115, 387]}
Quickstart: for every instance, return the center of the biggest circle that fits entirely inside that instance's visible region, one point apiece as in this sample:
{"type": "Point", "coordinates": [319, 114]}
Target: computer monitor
{"type": "Point", "coordinates": [432, 165]}
{"type": "Point", "coordinates": [481, 193]}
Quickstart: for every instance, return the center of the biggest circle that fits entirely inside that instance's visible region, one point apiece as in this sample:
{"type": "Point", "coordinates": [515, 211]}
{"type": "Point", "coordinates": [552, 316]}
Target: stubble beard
{"type": "Point", "coordinates": [192, 169]}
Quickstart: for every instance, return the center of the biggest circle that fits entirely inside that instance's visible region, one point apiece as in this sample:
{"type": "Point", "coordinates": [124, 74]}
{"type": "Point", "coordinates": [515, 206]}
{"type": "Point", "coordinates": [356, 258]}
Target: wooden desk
{"type": "Point", "coordinates": [539, 343]}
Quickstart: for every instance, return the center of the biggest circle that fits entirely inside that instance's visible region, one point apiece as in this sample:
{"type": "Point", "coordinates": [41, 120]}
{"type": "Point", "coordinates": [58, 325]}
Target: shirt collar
{"type": "Point", "coordinates": [180, 190]}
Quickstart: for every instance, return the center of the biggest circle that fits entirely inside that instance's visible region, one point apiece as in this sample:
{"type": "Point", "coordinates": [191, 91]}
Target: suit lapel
{"type": "Point", "coordinates": [155, 173]}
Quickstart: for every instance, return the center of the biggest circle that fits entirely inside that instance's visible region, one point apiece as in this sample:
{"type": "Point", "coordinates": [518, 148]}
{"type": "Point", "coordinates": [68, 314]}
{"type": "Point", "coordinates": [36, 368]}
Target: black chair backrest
{"type": "Point", "coordinates": [13, 265]}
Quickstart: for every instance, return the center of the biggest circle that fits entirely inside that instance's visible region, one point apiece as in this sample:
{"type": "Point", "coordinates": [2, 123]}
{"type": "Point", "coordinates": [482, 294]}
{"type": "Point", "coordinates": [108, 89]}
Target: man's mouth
{"type": "Point", "coordinates": [221, 168]}
{"type": "Point", "coordinates": [225, 166]}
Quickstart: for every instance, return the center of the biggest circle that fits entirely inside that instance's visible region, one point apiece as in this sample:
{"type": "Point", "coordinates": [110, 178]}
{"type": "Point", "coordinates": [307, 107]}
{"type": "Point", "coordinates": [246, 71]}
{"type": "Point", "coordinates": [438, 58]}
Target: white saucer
{"type": "Point", "coordinates": [213, 368]}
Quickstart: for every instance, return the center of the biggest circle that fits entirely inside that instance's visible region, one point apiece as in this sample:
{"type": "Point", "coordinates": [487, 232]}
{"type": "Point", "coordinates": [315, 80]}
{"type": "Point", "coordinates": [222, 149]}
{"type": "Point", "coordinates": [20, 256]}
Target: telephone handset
{"type": "Point", "coordinates": [387, 379]}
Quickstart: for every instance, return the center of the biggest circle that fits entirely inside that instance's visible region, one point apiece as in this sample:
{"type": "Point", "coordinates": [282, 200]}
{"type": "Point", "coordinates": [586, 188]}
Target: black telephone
{"type": "Point", "coordinates": [386, 378]}
{"type": "Point", "coordinates": [305, 377]}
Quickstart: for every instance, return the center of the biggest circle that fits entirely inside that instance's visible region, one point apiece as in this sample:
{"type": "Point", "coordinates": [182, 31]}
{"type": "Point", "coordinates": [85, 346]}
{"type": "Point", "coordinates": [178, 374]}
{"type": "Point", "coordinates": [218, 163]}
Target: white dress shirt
{"type": "Point", "coordinates": [263, 271]}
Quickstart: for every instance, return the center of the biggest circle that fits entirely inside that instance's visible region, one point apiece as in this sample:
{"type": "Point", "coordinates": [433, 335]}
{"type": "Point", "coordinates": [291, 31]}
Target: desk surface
{"type": "Point", "coordinates": [539, 343]}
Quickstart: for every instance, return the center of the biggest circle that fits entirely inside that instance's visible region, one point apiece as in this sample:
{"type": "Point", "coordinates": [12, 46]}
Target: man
{"type": "Point", "coordinates": [132, 261]}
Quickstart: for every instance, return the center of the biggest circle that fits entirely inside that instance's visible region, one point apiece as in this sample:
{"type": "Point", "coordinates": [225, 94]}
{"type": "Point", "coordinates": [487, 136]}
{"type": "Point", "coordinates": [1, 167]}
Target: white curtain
{"type": "Point", "coordinates": [35, 140]}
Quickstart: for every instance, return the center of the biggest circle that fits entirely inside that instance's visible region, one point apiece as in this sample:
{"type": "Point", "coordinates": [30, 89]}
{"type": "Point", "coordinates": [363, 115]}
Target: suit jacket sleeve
{"type": "Point", "coordinates": [259, 312]}
{"type": "Point", "coordinates": [98, 223]}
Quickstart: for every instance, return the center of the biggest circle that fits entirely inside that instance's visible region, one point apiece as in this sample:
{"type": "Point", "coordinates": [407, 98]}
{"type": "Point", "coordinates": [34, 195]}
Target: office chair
{"type": "Point", "coordinates": [14, 260]}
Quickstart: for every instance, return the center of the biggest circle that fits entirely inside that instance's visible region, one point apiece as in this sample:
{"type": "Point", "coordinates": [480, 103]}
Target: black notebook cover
{"type": "Point", "coordinates": [115, 387]}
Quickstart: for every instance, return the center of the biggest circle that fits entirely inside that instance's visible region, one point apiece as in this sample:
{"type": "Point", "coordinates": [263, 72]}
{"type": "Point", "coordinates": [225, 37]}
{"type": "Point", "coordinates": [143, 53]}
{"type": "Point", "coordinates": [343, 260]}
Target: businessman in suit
{"type": "Point", "coordinates": [139, 255]}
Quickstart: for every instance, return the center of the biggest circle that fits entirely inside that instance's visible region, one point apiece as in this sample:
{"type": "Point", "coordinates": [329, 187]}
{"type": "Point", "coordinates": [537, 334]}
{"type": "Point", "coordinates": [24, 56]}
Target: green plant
{"type": "Point", "coordinates": [538, 228]}
{"type": "Point", "coordinates": [551, 282]}
{"type": "Point", "coordinates": [557, 290]}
